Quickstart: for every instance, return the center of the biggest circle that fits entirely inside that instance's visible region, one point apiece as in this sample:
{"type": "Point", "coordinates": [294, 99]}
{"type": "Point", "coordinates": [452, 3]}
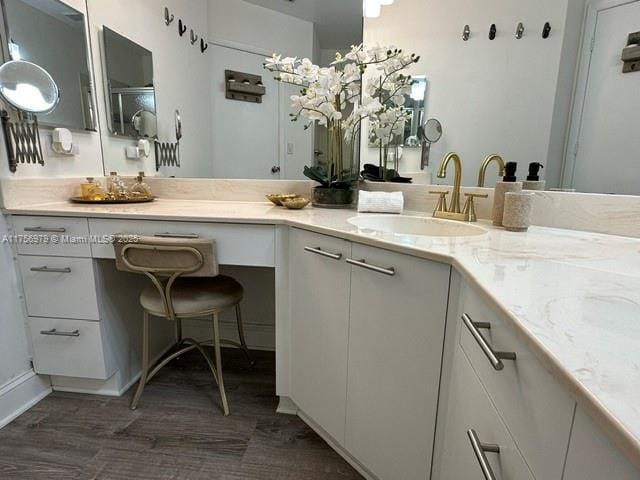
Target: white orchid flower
{"type": "Point", "coordinates": [273, 61]}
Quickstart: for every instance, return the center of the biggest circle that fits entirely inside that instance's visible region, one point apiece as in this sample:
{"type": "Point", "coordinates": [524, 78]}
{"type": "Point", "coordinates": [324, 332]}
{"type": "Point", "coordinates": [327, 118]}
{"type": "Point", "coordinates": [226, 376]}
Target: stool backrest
{"type": "Point", "coordinates": [163, 260]}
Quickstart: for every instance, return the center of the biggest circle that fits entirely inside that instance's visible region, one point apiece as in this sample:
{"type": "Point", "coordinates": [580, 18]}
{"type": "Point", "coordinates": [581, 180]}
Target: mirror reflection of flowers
{"type": "Point", "coordinates": [332, 96]}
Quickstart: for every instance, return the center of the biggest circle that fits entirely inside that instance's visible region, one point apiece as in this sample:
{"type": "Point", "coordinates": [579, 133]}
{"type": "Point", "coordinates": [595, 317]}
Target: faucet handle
{"type": "Point", "coordinates": [469, 209]}
{"type": "Point", "coordinates": [441, 206]}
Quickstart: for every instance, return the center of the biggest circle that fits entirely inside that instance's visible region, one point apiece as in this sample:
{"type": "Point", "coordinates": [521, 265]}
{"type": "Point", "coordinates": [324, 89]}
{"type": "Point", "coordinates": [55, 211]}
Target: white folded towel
{"type": "Point", "coordinates": [380, 202]}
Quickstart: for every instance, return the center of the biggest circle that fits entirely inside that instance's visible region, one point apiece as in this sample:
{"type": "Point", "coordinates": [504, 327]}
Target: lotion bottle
{"type": "Point", "coordinates": [533, 181]}
{"type": "Point", "coordinates": [508, 184]}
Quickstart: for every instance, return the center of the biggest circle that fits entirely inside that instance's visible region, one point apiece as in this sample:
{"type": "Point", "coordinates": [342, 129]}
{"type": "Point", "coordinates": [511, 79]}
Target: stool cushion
{"type": "Point", "coordinates": [193, 295]}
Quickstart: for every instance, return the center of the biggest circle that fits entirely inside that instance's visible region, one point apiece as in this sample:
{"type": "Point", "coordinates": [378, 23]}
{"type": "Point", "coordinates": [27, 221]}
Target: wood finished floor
{"type": "Point", "coordinates": [177, 433]}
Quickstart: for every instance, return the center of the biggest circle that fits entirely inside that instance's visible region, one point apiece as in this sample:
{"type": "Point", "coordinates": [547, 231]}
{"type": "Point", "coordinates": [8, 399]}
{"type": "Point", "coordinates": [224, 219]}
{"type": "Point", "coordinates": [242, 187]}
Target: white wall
{"type": "Point", "coordinates": [504, 96]}
{"type": "Point", "coordinates": [181, 79]}
{"type": "Point", "coordinates": [14, 359]}
{"type": "Point", "coordinates": [262, 30]}
{"type": "Point", "coordinates": [14, 356]}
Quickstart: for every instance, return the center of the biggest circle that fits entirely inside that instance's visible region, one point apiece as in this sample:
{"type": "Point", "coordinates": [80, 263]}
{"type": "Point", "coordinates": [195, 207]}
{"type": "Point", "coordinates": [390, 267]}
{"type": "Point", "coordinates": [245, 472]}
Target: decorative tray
{"type": "Point", "coordinates": [112, 201]}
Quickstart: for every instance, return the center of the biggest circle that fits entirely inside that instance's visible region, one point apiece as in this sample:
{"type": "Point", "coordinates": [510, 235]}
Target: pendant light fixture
{"type": "Point", "coordinates": [372, 8]}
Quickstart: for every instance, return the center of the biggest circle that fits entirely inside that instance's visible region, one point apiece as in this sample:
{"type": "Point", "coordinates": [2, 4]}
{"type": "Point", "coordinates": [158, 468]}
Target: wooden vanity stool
{"type": "Point", "coordinates": [185, 284]}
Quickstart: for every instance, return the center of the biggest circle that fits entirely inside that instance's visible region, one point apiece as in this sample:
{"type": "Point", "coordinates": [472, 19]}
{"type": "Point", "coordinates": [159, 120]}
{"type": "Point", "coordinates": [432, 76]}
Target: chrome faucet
{"type": "Point", "coordinates": [483, 169]}
{"type": "Point", "coordinates": [453, 212]}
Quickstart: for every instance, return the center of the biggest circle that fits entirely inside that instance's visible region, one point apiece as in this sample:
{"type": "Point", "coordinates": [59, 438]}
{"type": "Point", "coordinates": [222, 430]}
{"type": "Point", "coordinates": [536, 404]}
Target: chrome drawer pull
{"type": "Point", "coordinates": [494, 357]}
{"type": "Point", "coordinates": [374, 268]}
{"type": "Point", "coordinates": [319, 251]}
{"type": "Point", "coordinates": [480, 449]}
{"type": "Point", "coordinates": [51, 270]}
{"type": "Point", "coordinates": [54, 333]}
{"type": "Point", "coordinates": [45, 229]}
{"type": "Point", "coordinates": [177, 235]}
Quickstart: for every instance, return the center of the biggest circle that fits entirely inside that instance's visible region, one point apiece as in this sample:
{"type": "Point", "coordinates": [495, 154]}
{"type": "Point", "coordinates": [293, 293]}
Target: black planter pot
{"type": "Point", "coordinates": [327, 197]}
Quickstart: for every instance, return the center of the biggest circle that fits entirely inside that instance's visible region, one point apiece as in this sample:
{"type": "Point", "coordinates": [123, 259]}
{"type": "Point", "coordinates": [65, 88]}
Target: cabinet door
{"type": "Point", "coordinates": [395, 351]}
{"type": "Point", "coordinates": [319, 328]}
{"type": "Point", "coordinates": [592, 455]}
{"type": "Point", "coordinates": [469, 408]}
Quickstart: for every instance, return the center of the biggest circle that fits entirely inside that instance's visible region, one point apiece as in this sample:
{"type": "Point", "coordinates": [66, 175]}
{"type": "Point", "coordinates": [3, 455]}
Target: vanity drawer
{"type": "Point", "coordinates": [252, 245]}
{"type": "Point", "coordinates": [54, 236]}
{"type": "Point", "coordinates": [70, 348]}
{"type": "Point", "coordinates": [535, 407]}
{"type": "Point", "coordinates": [469, 408]}
{"type": "Point", "coordinates": [60, 287]}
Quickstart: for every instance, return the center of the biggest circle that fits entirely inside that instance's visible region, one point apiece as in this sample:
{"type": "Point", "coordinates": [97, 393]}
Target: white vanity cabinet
{"type": "Point", "coordinates": [592, 455]}
{"type": "Point", "coordinates": [537, 410]}
{"type": "Point", "coordinates": [396, 332]}
{"type": "Point", "coordinates": [499, 389]}
{"type": "Point", "coordinates": [319, 281]}
{"type": "Point", "coordinates": [61, 298]}
{"type": "Point", "coordinates": [469, 411]}
{"type": "Point", "coordinates": [367, 338]}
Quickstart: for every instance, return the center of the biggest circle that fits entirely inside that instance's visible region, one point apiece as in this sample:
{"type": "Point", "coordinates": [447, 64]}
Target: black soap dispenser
{"type": "Point", "coordinates": [510, 172]}
{"type": "Point", "coordinates": [533, 181]}
{"type": "Point", "coordinates": [508, 184]}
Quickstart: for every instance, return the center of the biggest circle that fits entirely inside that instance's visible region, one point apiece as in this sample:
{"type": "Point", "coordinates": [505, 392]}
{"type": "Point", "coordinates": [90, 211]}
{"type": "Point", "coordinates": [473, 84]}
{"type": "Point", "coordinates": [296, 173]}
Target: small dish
{"type": "Point", "coordinates": [297, 203]}
{"type": "Point", "coordinates": [277, 198]}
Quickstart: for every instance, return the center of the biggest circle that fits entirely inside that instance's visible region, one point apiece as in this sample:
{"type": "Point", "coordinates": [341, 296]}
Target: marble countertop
{"type": "Point", "coordinates": [574, 297]}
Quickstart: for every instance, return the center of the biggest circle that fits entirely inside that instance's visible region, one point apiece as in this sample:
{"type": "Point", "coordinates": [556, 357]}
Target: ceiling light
{"type": "Point", "coordinates": [372, 8]}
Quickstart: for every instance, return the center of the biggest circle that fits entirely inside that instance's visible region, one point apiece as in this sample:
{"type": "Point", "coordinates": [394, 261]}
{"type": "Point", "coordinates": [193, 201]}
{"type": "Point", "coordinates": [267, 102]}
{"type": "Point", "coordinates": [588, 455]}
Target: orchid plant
{"type": "Point", "coordinates": [332, 96]}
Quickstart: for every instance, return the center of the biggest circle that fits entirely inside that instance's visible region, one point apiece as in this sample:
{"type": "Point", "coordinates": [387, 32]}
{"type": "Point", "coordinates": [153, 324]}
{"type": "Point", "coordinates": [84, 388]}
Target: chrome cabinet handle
{"type": "Point", "coordinates": [177, 235]}
{"type": "Point", "coordinates": [319, 251]}
{"type": "Point", "coordinates": [374, 268]}
{"type": "Point", "coordinates": [55, 333]}
{"type": "Point", "coordinates": [45, 229]}
{"type": "Point", "coordinates": [494, 357]}
{"type": "Point", "coordinates": [480, 449]}
{"type": "Point", "coordinates": [51, 270]}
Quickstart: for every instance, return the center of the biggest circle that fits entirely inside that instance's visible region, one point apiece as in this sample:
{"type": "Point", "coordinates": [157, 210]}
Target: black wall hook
{"type": "Point", "coordinates": [466, 33]}
{"type": "Point", "coordinates": [546, 30]}
{"type": "Point", "coordinates": [181, 27]}
{"type": "Point", "coordinates": [168, 18]}
{"type": "Point", "coordinates": [193, 37]}
{"type": "Point", "coordinates": [203, 45]}
{"type": "Point", "coordinates": [492, 32]}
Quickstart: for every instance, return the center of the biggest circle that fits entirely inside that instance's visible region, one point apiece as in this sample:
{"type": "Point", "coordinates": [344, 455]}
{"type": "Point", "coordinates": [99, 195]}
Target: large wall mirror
{"type": "Point", "coordinates": [546, 84]}
{"type": "Point", "coordinates": [129, 86]}
{"type": "Point", "coordinates": [532, 89]}
{"type": "Point", "coordinates": [52, 35]}
{"type": "Point", "coordinates": [193, 48]}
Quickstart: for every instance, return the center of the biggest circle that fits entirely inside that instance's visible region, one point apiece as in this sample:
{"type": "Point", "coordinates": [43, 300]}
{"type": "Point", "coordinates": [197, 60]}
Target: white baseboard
{"type": "Point", "coordinates": [20, 394]}
{"type": "Point", "coordinates": [336, 446]}
{"type": "Point", "coordinates": [286, 406]}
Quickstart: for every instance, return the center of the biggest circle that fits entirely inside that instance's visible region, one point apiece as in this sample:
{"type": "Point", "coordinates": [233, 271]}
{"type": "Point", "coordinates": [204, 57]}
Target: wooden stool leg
{"type": "Point", "coordinates": [243, 342]}
{"type": "Point", "coordinates": [145, 362]}
{"type": "Point", "coordinates": [218, 355]}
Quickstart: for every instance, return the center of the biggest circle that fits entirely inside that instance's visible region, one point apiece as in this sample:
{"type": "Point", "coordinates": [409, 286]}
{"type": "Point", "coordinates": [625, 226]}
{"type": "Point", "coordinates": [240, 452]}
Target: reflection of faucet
{"type": "Point", "coordinates": [453, 212]}
{"type": "Point", "coordinates": [485, 164]}
{"type": "Point", "coordinates": [457, 180]}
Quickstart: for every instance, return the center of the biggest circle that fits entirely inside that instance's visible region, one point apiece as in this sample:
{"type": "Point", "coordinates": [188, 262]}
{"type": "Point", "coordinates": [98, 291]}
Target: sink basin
{"type": "Point", "coordinates": [420, 226]}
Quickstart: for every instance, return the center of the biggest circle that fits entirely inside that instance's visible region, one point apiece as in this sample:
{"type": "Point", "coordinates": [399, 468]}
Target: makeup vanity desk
{"type": "Point", "coordinates": [396, 329]}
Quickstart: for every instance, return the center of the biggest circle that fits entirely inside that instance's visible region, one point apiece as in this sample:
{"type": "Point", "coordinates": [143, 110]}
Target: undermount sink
{"type": "Point", "coordinates": [420, 226]}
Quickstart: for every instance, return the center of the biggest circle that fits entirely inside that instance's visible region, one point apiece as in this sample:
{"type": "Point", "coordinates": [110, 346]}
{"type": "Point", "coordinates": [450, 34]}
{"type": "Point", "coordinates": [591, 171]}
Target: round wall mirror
{"type": "Point", "coordinates": [144, 123]}
{"type": "Point", "coordinates": [432, 130]}
{"type": "Point", "coordinates": [28, 87]}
